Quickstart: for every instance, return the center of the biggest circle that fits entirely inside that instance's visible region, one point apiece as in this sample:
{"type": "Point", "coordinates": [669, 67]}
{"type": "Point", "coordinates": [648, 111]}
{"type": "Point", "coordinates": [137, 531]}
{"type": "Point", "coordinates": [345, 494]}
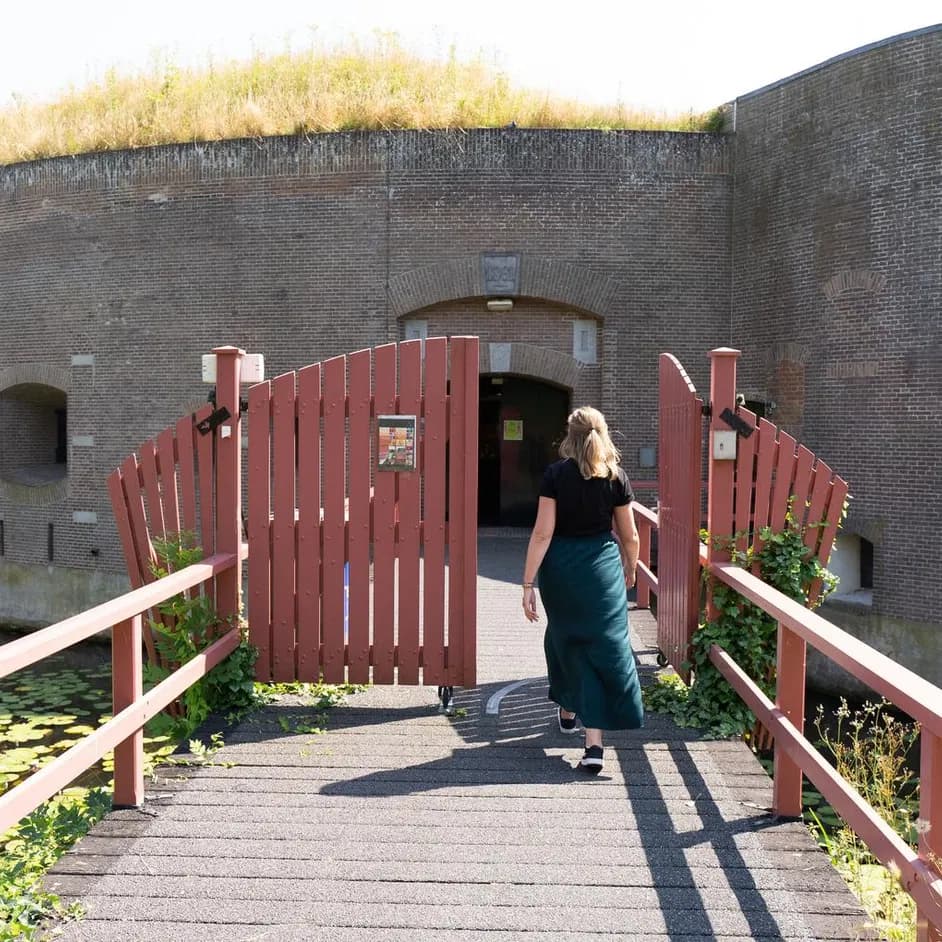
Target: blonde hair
{"type": "Point", "coordinates": [588, 443]}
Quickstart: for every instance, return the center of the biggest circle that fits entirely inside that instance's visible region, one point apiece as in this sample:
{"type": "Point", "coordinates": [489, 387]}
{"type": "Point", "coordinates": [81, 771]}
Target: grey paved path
{"type": "Point", "coordinates": [402, 824]}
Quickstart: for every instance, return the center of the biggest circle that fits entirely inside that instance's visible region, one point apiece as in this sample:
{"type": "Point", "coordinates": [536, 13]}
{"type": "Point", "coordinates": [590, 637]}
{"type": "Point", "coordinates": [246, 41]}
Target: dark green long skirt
{"type": "Point", "coordinates": [589, 660]}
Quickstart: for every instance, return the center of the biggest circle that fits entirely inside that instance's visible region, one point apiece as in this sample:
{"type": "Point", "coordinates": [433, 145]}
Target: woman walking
{"type": "Point", "coordinates": [584, 575]}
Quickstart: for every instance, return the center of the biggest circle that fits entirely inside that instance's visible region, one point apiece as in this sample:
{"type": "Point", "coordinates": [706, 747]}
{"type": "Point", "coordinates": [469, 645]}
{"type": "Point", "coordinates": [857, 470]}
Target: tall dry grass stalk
{"type": "Point", "coordinates": [374, 86]}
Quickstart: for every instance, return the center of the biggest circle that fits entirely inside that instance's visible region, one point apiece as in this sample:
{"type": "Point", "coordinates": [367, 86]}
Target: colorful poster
{"type": "Point", "coordinates": [396, 451]}
{"type": "Point", "coordinates": [513, 430]}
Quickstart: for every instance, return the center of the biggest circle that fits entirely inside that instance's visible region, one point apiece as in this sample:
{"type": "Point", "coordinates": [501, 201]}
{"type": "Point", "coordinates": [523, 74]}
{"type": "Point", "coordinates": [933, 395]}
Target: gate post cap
{"type": "Point", "coordinates": [725, 352]}
{"type": "Point", "coordinates": [229, 349]}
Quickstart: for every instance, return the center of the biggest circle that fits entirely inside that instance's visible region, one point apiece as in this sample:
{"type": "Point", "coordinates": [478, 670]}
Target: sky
{"type": "Point", "coordinates": [662, 55]}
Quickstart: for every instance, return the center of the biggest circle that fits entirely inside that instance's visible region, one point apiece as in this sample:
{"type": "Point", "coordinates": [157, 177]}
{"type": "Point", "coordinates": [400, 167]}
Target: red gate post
{"type": "Point", "coordinates": [127, 686]}
{"type": "Point", "coordinates": [720, 475]}
{"type": "Point", "coordinates": [930, 818]}
{"type": "Point", "coordinates": [229, 481]}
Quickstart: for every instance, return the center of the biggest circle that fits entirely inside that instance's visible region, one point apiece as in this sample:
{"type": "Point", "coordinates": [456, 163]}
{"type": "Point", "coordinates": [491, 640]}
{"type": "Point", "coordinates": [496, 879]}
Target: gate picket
{"type": "Point", "coordinates": [259, 527]}
{"type": "Point", "coordinates": [462, 491]}
{"type": "Point", "coordinates": [765, 462]}
{"type": "Point", "coordinates": [433, 571]}
{"type": "Point", "coordinates": [801, 486]}
{"type": "Point", "coordinates": [782, 486]}
{"type": "Point", "coordinates": [358, 527]}
{"type": "Point", "coordinates": [283, 528]}
{"type": "Point", "coordinates": [745, 470]}
{"type": "Point", "coordinates": [168, 481]}
{"type": "Point", "coordinates": [679, 445]}
{"type": "Point", "coordinates": [152, 489]}
{"type": "Point", "coordinates": [203, 446]}
{"type": "Point", "coordinates": [334, 526]}
{"type": "Point", "coordinates": [384, 525]}
{"type": "Point", "coordinates": [309, 523]}
{"type": "Point", "coordinates": [410, 403]}
{"type": "Point", "coordinates": [187, 462]}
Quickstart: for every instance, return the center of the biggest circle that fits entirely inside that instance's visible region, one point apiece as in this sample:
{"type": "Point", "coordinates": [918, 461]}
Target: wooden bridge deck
{"type": "Point", "coordinates": [401, 824]}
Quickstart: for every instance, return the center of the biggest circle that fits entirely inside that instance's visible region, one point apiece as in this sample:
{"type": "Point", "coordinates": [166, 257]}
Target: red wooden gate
{"type": "Point", "coordinates": [766, 474]}
{"type": "Point", "coordinates": [680, 436]}
{"type": "Point", "coordinates": [327, 524]}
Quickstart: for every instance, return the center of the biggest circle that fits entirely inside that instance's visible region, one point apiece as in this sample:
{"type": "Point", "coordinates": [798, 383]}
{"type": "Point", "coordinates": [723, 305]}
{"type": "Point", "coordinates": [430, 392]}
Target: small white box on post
{"type": "Point", "coordinates": [724, 445]}
{"type": "Point", "coordinates": [253, 368]}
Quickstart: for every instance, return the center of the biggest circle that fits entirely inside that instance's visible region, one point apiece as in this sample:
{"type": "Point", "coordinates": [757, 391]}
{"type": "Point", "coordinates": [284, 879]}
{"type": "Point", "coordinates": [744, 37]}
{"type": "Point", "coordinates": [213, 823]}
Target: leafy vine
{"type": "Point", "coordinates": [744, 631]}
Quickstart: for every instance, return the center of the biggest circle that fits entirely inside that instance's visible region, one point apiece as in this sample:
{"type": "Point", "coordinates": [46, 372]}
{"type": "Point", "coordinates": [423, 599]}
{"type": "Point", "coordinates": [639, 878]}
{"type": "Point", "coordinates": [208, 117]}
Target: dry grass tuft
{"type": "Point", "coordinates": [377, 86]}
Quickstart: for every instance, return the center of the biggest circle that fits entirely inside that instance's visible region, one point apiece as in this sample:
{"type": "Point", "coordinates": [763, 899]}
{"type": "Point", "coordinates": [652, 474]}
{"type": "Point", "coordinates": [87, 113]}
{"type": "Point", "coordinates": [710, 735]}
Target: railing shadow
{"type": "Point", "coordinates": [695, 851]}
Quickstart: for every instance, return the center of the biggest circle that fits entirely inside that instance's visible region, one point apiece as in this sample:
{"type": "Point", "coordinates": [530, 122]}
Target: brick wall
{"type": "Point", "coordinates": [305, 248]}
{"type": "Point", "coordinates": [837, 294]}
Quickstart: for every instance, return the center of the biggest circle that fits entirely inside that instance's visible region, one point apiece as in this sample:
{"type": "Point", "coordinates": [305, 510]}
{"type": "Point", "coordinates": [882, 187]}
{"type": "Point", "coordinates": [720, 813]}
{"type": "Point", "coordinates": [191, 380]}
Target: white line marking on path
{"type": "Point", "coordinates": [493, 704]}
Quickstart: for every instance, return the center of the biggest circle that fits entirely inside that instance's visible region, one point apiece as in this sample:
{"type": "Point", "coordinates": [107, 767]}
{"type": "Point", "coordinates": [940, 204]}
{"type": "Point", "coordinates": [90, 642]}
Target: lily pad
{"type": "Point", "coordinates": [25, 732]}
{"type": "Point", "coordinates": [80, 730]}
{"type": "Point", "coordinates": [64, 719]}
{"type": "Point", "coordinates": [7, 767]}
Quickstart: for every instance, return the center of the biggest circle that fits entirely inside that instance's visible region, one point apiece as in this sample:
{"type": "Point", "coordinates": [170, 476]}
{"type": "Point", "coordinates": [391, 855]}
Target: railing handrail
{"type": "Point", "coordinates": [44, 783]}
{"type": "Point", "coordinates": [646, 512]}
{"type": "Point", "coordinates": [898, 684]}
{"type": "Point", "coordinates": [23, 652]}
{"type": "Point", "coordinates": [901, 686]}
{"type": "Point", "coordinates": [130, 717]}
{"type": "Point", "coordinates": [920, 879]}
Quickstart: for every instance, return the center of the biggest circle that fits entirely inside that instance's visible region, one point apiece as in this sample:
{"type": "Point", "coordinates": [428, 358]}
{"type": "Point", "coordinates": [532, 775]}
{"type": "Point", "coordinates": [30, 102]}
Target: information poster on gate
{"type": "Point", "coordinates": [396, 451]}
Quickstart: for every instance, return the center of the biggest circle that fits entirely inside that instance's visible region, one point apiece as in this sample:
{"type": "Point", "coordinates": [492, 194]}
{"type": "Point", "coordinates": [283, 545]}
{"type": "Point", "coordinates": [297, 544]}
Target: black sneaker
{"type": "Point", "coordinates": [566, 725]}
{"type": "Point", "coordinates": [591, 760]}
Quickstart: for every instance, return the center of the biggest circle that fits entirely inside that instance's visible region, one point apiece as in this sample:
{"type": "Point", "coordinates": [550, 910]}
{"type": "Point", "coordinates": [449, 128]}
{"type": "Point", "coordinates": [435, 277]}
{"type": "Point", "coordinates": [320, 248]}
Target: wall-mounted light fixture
{"type": "Point", "coordinates": [500, 305]}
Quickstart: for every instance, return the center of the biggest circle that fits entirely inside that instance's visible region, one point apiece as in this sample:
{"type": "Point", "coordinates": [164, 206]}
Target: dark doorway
{"type": "Point", "coordinates": [522, 422]}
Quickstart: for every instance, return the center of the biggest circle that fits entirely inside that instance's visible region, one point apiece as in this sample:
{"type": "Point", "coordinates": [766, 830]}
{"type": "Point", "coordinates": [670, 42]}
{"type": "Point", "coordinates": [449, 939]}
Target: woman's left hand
{"type": "Point", "coordinates": [529, 604]}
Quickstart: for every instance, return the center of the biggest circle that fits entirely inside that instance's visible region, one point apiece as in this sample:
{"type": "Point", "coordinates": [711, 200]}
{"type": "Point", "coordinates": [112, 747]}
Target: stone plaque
{"type": "Point", "coordinates": [501, 273]}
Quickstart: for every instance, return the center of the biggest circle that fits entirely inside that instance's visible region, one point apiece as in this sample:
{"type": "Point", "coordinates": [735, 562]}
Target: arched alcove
{"type": "Point", "coordinates": [34, 461]}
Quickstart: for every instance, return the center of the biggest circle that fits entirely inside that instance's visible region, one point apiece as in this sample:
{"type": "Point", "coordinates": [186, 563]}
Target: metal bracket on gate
{"type": "Point", "coordinates": [212, 421]}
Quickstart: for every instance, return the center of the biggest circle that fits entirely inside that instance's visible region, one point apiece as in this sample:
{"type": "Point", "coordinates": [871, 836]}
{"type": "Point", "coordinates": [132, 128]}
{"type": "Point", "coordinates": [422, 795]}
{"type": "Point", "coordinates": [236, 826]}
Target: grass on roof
{"type": "Point", "coordinates": [374, 86]}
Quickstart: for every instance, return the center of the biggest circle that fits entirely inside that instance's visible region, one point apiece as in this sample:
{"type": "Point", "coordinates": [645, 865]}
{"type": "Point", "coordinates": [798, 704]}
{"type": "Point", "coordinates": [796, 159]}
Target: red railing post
{"type": "Point", "coordinates": [643, 590]}
{"type": "Point", "coordinates": [721, 452]}
{"type": "Point", "coordinates": [790, 699]}
{"type": "Point", "coordinates": [229, 480]}
{"type": "Point", "coordinates": [127, 686]}
{"type": "Point", "coordinates": [930, 817]}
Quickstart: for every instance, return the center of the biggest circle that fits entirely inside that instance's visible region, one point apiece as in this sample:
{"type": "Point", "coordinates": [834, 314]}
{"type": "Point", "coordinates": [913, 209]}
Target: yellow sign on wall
{"type": "Point", "coordinates": [513, 430]}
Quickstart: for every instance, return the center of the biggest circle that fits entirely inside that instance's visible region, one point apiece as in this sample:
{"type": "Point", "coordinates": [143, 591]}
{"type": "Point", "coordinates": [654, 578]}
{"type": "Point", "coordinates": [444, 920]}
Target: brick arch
{"type": "Point", "coordinates": [552, 280]}
{"type": "Point", "coordinates": [531, 361]}
{"type": "Point", "coordinates": [40, 373]}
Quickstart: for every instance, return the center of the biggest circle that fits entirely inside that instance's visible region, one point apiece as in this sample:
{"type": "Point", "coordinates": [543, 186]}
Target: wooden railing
{"type": "Point", "coordinates": [132, 707]}
{"type": "Point", "coordinates": [794, 753]}
{"type": "Point", "coordinates": [646, 580]}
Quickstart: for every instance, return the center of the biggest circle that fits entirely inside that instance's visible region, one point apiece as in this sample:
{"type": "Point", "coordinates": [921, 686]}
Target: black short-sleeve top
{"type": "Point", "coordinates": [583, 508]}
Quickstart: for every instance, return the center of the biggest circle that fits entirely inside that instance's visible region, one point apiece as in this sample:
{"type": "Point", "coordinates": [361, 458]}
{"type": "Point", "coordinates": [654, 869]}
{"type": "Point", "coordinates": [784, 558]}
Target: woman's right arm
{"type": "Point", "coordinates": [628, 541]}
{"type": "Point", "coordinates": [539, 543]}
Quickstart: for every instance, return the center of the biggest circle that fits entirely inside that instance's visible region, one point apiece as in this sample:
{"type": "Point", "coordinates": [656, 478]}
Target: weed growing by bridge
{"type": "Point", "coordinates": [744, 631]}
{"type": "Point", "coordinates": [870, 748]}
{"type": "Point", "coordinates": [356, 87]}
{"type": "Point", "coordinates": [187, 625]}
